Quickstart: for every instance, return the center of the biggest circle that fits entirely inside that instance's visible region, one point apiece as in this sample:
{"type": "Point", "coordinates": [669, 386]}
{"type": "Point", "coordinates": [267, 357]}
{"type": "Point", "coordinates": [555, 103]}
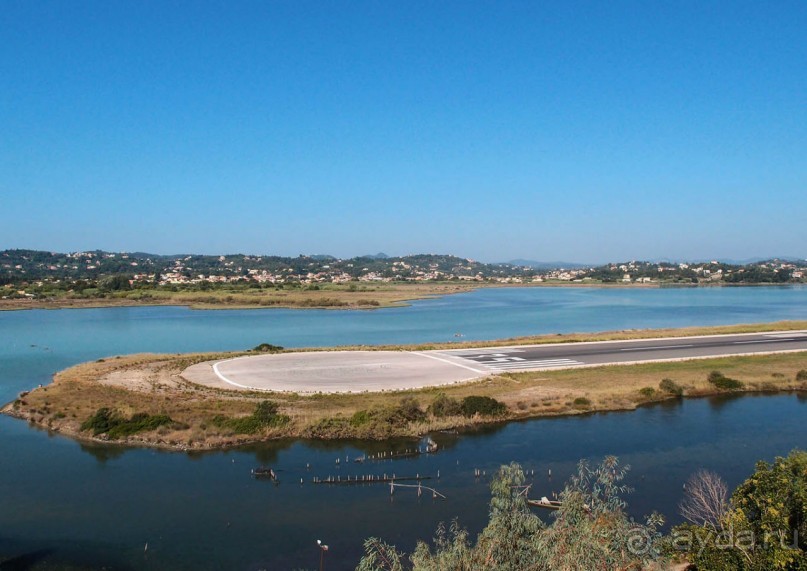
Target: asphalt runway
{"type": "Point", "coordinates": [565, 355]}
{"type": "Point", "coordinates": [374, 371]}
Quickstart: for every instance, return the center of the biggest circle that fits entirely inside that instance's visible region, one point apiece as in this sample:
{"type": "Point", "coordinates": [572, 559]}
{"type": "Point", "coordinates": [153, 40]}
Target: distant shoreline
{"type": "Point", "coordinates": [394, 294]}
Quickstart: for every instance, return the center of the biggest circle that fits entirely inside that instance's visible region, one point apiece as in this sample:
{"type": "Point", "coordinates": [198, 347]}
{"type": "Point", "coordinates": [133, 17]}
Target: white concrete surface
{"type": "Point", "coordinates": [335, 371]}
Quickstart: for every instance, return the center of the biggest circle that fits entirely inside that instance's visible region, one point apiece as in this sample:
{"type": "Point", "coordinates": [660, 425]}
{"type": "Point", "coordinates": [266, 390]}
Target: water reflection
{"type": "Point", "coordinates": [103, 452]}
{"type": "Point", "coordinates": [211, 514]}
{"type": "Point", "coordinates": [717, 402]}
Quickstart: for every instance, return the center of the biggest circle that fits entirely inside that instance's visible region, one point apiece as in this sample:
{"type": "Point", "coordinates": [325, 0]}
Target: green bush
{"type": "Point", "coordinates": [647, 392]}
{"type": "Point", "coordinates": [581, 402]}
{"type": "Point", "coordinates": [445, 406]}
{"type": "Point", "coordinates": [267, 348]}
{"type": "Point", "coordinates": [140, 422]}
{"type": "Point", "coordinates": [111, 423]}
{"type": "Point", "coordinates": [265, 412]}
{"type": "Point", "coordinates": [101, 421]}
{"type": "Point", "coordinates": [801, 375]}
{"type": "Point", "coordinates": [720, 381]}
{"type": "Point", "coordinates": [671, 387]}
{"type": "Point", "coordinates": [484, 406]}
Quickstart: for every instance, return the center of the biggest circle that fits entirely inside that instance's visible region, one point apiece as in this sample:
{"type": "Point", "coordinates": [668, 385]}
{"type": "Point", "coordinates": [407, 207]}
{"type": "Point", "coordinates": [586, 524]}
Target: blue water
{"type": "Point", "coordinates": [66, 504]}
{"type": "Point", "coordinates": [34, 344]}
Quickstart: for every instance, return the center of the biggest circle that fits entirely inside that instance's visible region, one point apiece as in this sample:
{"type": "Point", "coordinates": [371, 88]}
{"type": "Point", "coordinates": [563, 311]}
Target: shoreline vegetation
{"type": "Point", "coordinates": [143, 400]}
{"type": "Point", "coordinates": [324, 296]}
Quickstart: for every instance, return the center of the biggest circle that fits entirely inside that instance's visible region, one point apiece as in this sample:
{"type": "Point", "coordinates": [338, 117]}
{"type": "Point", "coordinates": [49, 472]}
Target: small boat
{"type": "Point", "coordinates": [264, 472]}
{"type": "Point", "coordinates": [545, 503]}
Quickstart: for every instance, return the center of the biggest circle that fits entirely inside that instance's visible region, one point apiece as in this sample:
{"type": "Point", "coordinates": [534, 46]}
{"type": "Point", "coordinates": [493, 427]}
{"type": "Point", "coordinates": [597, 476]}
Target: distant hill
{"type": "Point", "coordinates": [20, 266]}
{"type": "Point", "coordinates": [378, 256]}
{"type": "Point", "coordinates": [748, 261]}
{"type": "Point", "coordinates": [547, 265]}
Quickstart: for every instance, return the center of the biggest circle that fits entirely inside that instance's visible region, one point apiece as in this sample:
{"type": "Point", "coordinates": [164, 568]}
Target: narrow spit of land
{"type": "Point", "coordinates": [326, 296]}
{"type": "Point", "coordinates": [145, 400]}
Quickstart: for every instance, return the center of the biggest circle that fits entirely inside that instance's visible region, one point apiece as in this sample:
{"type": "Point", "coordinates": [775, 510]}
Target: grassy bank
{"type": "Point", "coordinates": [324, 296]}
{"type": "Point", "coordinates": [146, 401]}
{"type": "Point", "coordinates": [353, 295]}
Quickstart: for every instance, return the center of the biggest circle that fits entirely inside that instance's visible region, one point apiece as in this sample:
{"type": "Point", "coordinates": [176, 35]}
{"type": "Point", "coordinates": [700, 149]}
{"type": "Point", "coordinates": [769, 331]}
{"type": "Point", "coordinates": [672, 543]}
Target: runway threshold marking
{"type": "Point", "coordinates": [525, 364]}
{"type": "Point", "coordinates": [446, 361]}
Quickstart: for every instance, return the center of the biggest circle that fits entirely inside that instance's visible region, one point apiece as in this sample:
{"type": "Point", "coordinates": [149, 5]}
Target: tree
{"type": "Point", "coordinates": [706, 500]}
{"type": "Point", "coordinates": [590, 531]}
{"type": "Point", "coordinates": [118, 282]}
{"type": "Point", "coordinates": [772, 503]}
{"type": "Point", "coordinates": [763, 527]}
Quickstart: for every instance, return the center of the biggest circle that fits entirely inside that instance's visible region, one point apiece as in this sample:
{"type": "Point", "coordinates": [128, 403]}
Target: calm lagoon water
{"type": "Point", "coordinates": [69, 505]}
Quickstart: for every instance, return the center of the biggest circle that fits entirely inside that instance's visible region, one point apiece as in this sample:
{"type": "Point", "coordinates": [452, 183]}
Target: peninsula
{"type": "Point", "coordinates": [163, 401]}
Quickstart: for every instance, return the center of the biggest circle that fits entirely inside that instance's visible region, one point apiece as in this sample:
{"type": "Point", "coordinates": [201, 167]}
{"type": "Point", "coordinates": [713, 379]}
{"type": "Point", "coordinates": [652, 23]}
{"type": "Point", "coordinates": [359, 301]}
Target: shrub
{"type": "Point", "coordinates": [720, 381]}
{"type": "Point", "coordinates": [141, 422]}
{"type": "Point", "coordinates": [111, 423]}
{"type": "Point", "coordinates": [445, 406]}
{"type": "Point", "coordinates": [647, 392]}
{"type": "Point", "coordinates": [267, 348]}
{"type": "Point", "coordinates": [581, 402]}
{"type": "Point", "coordinates": [801, 375]}
{"type": "Point", "coordinates": [409, 410]}
{"type": "Point", "coordinates": [101, 421]}
{"type": "Point", "coordinates": [671, 387]}
{"type": "Point", "coordinates": [265, 412]}
{"type": "Point", "coordinates": [485, 406]}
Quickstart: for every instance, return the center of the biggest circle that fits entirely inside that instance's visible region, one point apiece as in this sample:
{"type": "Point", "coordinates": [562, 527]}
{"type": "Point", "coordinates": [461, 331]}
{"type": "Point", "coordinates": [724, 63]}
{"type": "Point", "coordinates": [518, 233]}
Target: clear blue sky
{"type": "Point", "coordinates": [579, 131]}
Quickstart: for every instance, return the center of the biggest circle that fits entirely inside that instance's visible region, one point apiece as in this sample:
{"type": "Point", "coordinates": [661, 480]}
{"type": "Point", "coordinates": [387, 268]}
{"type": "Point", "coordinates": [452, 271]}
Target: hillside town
{"type": "Point", "coordinates": [20, 268]}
